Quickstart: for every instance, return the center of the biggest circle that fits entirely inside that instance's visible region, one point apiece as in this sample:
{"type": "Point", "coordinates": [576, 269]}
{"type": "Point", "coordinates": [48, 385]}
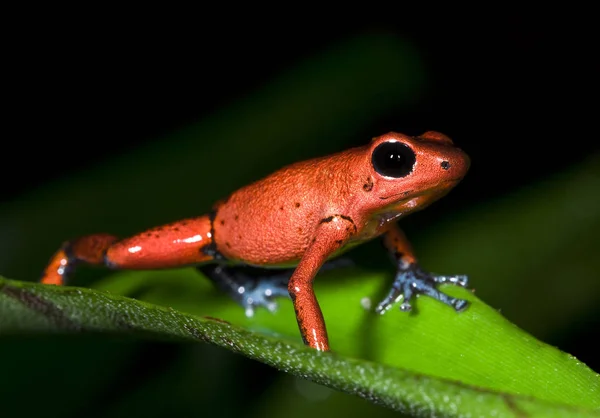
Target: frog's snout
{"type": "Point", "coordinates": [455, 164]}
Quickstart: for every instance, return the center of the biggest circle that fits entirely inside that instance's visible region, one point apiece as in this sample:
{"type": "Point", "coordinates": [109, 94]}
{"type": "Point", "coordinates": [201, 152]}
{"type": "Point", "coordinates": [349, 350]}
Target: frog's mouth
{"type": "Point", "coordinates": [403, 207]}
{"type": "Point", "coordinates": [406, 193]}
{"type": "Point", "coordinates": [410, 194]}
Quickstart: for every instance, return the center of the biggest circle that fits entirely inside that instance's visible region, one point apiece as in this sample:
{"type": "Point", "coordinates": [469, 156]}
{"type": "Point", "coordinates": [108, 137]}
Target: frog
{"type": "Point", "coordinates": [270, 238]}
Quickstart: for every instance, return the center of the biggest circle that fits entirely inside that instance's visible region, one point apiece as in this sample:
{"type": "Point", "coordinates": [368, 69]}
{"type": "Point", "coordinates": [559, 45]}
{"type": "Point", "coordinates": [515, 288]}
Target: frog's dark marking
{"type": "Point", "coordinates": [184, 223]}
{"type": "Point", "coordinates": [280, 207]}
{"type": "Point", "coordinates": [304, 332]}
{"type": "Point", "coordinates": [176, 229]}
{"type": "Point", "coordinates": [236, 217]}
{"type": "Point", "coordinates": [349, 219]}
{"type": "Point", "coordinates": [344, 217]}
{"type": "Point", "coordinates": [211, 248]}
{"type": "Point", "coordinates": [299, 230]}
{"type": "Point", "coordinates": [445, 165]}
{"type": "Point", "coordinates": [228, 244]}
{"type": "Point", "coordinates": [149, 234]}
{"type": "Point", "coordinates": [43, 306]}
{"type": "Point", "coordinates": [399, 255]}
{"type": "Point", "coordinates": [297, 204]}
{"type": "Point", "coordinates": [368, 186]}
{"type": "Point", "coordinates": [339, 242]}
{"type": "Point", "coordinates": [222, 222]}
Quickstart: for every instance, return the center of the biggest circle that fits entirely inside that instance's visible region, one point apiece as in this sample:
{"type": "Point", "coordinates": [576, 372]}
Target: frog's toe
{"type": "Point", "coordinates": [263, 294]}
{"type": "Point", "coordinates": [461, 280]}
{"type": "Point", "coordinates": [413, 281]}
{"type": "Point", "coordinates": [250, 307]}
{"type": "Point", "coordinates": [401, 289]}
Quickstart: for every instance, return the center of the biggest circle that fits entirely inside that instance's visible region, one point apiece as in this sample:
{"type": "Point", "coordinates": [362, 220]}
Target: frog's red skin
{"type": "Point", "coordinates": [300, 216]}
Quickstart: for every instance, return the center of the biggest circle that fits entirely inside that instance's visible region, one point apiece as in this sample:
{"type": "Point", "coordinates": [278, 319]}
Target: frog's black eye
{"type": "Point", "coordinates": [393, 159]}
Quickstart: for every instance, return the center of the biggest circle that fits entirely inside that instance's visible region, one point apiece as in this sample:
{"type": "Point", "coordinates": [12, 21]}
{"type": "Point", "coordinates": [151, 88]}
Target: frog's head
{"type": "Point", "coordinates": [407, 173]}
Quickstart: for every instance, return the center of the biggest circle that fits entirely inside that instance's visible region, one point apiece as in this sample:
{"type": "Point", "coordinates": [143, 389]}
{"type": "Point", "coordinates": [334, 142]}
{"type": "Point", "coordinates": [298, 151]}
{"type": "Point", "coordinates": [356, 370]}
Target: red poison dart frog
{"type": "Point", "coordinates": [302, 215]}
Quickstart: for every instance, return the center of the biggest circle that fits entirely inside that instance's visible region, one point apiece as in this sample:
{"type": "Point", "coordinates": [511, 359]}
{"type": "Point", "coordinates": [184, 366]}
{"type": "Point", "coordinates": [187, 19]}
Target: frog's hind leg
{"type": "Point", "coordinates": [181, 243]}
{"type": "Point", "coordinates": [252, 287]}
{"type": "Point", "coordinates": [249, 286]}
{"type": "Point", "coordinates": [89, 249]}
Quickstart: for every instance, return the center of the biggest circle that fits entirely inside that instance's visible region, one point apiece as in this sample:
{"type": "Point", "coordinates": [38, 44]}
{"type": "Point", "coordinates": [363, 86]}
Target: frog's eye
{"type": "Point", "coordinates": [393, 159]}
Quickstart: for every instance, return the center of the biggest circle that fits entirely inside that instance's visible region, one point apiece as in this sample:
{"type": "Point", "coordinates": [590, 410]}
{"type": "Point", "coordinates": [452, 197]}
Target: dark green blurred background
{"type": "Point", "coordinates": [117, 129]}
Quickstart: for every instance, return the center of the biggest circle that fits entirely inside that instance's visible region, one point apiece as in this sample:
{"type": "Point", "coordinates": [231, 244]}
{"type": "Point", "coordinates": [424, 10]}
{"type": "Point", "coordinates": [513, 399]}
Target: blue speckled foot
{"type": "Point", "coordinates": [263, 292]}
{"type": "Point", "coordinates": [249, 286]}
{"type": "Point", "coordinates": [412, 280]}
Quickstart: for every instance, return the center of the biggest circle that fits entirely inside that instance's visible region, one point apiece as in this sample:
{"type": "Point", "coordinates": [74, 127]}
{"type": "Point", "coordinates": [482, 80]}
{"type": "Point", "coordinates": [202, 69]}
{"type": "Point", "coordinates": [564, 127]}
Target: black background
{"type": "Point", "coordinates": [525, 85]}
{"type": "Point", "coordinates": [517, 92]}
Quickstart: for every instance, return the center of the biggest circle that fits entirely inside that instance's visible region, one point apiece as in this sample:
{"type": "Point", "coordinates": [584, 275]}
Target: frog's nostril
{"type": "Point", "coordinates": [445, 165]}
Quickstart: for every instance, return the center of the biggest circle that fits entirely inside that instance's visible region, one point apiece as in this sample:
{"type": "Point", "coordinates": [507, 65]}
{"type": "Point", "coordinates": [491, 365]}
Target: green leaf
{"type": "Point", "coordinates": [564, 387]}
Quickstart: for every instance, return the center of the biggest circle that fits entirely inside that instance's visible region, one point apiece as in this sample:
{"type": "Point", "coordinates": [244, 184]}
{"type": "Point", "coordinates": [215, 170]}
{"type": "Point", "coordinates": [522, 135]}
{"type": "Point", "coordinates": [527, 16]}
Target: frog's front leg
{"type": "Point", "coordinates": [331, 234]}
{"type": "Point", "coordinates": [411, 279]}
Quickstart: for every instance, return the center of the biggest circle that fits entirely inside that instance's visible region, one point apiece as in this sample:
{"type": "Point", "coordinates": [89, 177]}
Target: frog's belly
{"type": "Point", "coordinates": [291, 262]}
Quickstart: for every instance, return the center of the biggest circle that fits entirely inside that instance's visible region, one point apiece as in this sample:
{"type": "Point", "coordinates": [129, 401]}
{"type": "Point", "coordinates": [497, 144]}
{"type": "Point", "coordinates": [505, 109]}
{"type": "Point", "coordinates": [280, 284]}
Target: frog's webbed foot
{"type": "Point", "coordinates": [263, 293]}
{"type": "Point", "coordinates": [412, 280]}
{"type": "Point", "coordinates": [250, 287]}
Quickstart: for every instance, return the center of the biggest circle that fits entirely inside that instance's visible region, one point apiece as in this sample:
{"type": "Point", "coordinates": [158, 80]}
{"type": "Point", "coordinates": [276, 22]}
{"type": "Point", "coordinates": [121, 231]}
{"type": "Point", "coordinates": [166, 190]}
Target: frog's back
{"type": "Point", "coordinates": [271, 221]}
